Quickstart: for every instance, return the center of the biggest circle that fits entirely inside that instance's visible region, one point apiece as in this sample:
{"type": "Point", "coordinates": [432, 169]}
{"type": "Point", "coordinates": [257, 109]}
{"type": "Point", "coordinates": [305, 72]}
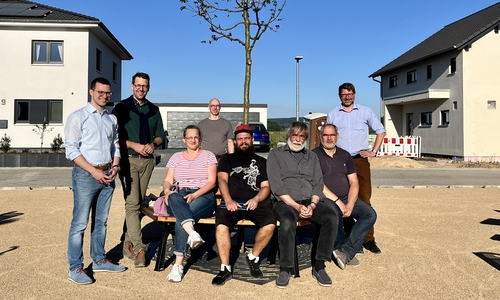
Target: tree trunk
{"type": "Point", "coordinates": [248, 68]}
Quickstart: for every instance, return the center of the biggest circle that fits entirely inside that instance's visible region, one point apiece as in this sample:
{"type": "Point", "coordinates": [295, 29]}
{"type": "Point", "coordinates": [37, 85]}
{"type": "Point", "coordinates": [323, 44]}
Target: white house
{"type": "Point", "coordinates": [48, 57]}
{"type": "Point", "coordinates": [446, 89]}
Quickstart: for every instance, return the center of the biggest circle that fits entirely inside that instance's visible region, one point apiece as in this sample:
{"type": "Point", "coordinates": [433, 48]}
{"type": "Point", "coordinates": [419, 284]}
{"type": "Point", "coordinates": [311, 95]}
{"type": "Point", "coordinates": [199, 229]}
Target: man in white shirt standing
{"type": "Point", "coordinates": [91, 142]}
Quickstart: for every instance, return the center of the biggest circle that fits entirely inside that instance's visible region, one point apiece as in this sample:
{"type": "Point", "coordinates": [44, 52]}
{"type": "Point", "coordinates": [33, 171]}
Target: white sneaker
{"type": "Point", "coordinates": [176, 274]}
{"type": "Point", "coordinates": [194, 240]}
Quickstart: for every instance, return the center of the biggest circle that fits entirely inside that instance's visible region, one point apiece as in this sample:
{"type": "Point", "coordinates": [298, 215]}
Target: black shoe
{"type": "Point", "coordinates": [283, 279]}
{"type": "Point", "coordinates": [254, 268]}
{"type": "Point", "coordinates": [222, 277]}
{"type": "Point", "coordinates": [322, 277]}
{"type": "Point", "coordinates": [372, 247]}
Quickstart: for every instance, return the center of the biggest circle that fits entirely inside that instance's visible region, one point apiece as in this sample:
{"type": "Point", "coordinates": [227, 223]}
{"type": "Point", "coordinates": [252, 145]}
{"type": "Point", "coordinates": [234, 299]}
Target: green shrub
{"type": "Point", "coordinates": [5, 143]}
{"type": "Point", "coordinates": [57, 144]}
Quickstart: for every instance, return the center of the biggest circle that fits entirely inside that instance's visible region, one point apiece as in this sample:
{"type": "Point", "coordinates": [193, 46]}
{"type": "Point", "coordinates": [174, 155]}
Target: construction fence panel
{"type": "Point", "coordinates": [407, 146]}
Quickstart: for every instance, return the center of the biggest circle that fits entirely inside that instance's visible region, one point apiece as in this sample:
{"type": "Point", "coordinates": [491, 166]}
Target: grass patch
{"type": "Point", "coordinates": [277, 137]}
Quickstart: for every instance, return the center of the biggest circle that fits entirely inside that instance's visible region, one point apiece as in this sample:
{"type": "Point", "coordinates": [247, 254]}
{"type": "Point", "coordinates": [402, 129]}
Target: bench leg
{"type": "Point", "coordinates": [162, 249]}
{"type": "Point", "coordinates": [273, 248]}
{"type": "Point", "coordinates": [296, 271]}
{"type": "Point", "coordinates": [241, 239]}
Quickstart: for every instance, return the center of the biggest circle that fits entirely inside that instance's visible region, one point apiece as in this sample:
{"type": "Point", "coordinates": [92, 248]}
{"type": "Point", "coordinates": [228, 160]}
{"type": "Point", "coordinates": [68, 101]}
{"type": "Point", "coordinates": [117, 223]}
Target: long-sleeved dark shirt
{"type": "Point", "coordinates": [297, 174]}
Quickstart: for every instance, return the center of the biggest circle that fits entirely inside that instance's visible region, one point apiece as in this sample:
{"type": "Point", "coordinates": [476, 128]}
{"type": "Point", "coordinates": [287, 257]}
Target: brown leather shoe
{"type": "Point", "coordinates": [128, 251]}
{"type": "Point", "coordinates": [140, 259]}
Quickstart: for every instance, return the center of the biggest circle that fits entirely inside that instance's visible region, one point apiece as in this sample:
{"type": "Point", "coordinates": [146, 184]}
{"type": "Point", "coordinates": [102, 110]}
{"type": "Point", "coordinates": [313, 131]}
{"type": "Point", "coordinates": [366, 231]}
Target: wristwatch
{"type": "Point", "coordinates": [375, 151]}
{"type": "Point", "coordinates": [116, 166]}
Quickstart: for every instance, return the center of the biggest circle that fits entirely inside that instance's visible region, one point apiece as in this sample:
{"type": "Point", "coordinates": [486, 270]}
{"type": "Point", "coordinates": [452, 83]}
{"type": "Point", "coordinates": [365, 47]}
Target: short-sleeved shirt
{"type": "Point", "coordinates": [214, 135]}
{"type": "Point", "coordinates": [244, 177]}
{"type": "Point", "coordinates": [335, 170]}
{"type": "Point", "coordinates": [129, 124]}
{"type": "Point", "coordinates": [353, 127]}
{"type": "Point", "coordinates": [191, 173]}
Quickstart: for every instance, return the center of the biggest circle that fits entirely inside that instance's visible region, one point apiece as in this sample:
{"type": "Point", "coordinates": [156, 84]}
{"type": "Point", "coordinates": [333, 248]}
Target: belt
{"type": "Point", "coordinates": [190, 188]}
{"type": "Point", "coordinates": [140, 156]}
{"type": "Point", "coordinates": [356, 156]}
{"type": "Point", "coordinates": [102, 168]}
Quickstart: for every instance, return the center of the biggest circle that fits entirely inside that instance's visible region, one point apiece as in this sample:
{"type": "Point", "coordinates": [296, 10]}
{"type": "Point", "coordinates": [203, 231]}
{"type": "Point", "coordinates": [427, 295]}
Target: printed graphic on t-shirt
{"type": "Point", "coordinates": [251, 172]}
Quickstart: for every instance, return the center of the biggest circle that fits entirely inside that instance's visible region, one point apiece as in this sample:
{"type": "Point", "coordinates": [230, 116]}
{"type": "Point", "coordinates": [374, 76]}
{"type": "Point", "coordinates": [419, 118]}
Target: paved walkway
{"type": "Point", "coordinates": [50, 178]}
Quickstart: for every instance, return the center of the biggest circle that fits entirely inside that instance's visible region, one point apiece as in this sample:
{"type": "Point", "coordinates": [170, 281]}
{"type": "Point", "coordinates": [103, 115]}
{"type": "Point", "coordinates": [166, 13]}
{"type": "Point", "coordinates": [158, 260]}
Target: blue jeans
{"type": "Point", "coordinates": [365, 217]}
{"type": "Point", "coordinates": [87, 192]}
{"type": "Point", "coordinates": [325, 221]}
{"type": "Point", "coordinates": [201, 207]}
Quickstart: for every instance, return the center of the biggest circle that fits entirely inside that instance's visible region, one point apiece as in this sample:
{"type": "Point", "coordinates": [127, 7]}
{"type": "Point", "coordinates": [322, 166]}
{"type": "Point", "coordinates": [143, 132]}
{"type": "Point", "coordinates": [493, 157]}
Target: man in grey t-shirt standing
{"type": "Point", "coordinates": [217, 133]}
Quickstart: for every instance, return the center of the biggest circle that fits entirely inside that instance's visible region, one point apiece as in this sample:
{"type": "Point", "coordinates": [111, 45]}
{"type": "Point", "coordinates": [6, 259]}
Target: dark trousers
{"type": "Point", "coordinates": [326, 222]}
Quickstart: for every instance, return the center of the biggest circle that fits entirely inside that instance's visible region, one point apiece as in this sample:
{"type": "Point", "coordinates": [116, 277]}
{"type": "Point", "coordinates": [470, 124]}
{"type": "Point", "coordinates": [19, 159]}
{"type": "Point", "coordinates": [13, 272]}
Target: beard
{"type": "Point", "coordinates": [325, 145]}
{"type": "Point", "coordinates": [244, 154]}
{"type": "Point", "coordinates": [296, 147]}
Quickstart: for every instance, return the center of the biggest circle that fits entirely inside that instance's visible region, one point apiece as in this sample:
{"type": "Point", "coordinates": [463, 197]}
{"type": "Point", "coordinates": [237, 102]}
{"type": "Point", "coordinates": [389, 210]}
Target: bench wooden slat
{"type": "Point", "coordinates": [148, 211]}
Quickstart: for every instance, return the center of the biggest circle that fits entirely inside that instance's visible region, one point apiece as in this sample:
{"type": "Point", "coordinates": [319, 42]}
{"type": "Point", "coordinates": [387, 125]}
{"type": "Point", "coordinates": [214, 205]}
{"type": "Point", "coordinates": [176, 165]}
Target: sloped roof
{"type": "Point", "coordinates": [456, 35]}
{"type": "Point", "coordinates": [49, 14]}
{"type": "Point", "coordinates": [55, 15]}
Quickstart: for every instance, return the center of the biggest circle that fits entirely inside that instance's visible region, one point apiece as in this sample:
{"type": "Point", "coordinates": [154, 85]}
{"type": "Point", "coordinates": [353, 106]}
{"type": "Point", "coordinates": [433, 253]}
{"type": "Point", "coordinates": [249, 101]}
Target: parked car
{"type": "Point", "coordinates": [261, 138]}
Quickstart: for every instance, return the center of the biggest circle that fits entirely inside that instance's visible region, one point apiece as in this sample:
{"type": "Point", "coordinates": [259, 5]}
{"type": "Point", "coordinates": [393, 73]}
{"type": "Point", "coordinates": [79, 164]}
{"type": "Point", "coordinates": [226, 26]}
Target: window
{"type": "Point", "coordinates": [47, 52]}
{"type": "Point", "coordinates": [429, 71]}
{"type": "Point", "coordinates": [393, 81]}
{"type": "Point", "coordinates": [453, 65]}
{"type": "Point", "coordinates": [455, 105]}
{"type": "Point", "coordinates": [445, 118]}
{"type": "Point", "coordinates": [98, 59]}
{"type": "Point", "coordinates": [426, 119]}
{"type": "Point", "coordinates": [492, 104]}
{"type": "Point", "coordinates": [38, 111]}
{"type": "Point", "coordinates": [411, 76]}
{"type": "Point", "coordinates": [115, 70]}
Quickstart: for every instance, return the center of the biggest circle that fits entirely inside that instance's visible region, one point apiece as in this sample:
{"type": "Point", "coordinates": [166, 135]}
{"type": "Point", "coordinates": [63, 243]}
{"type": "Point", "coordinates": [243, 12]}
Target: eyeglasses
{"type": "Point", "coordinates": [192, 138]}
{"type": "Point", "coordinates": [102, 93]}
{"type": "Point", "coordinates": [300, 136]}
{"type": "Point", "coordinates": [346, 95]}
{"type": "Point", "coordinates": [329, 135]}
{"type": "Point", "coordinates": [141, 86]}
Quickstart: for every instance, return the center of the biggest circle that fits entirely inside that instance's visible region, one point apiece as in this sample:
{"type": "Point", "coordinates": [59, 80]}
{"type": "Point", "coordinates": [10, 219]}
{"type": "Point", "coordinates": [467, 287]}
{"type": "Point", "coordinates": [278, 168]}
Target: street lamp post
{"type": "Point", "coordinates": [297, 59]}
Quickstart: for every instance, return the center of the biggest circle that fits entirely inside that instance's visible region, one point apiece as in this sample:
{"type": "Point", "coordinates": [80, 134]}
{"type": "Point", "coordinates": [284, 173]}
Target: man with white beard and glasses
{"type": "Point", "coordinates": [297, 184]}
{"type": "Point", "coordinates": [245, 192]}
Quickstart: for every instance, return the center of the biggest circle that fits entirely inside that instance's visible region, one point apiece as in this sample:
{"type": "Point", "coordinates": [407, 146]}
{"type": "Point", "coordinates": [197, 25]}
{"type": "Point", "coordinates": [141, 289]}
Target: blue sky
{"type": "Point", "coordinates": [343, 42]}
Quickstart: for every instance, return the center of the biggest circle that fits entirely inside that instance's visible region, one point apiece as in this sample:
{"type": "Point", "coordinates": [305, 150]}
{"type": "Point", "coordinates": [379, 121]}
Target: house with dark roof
{"type": "Point", "coordinates": [49, 56]}
{"type": "Point", "coordinates": [446, 89]}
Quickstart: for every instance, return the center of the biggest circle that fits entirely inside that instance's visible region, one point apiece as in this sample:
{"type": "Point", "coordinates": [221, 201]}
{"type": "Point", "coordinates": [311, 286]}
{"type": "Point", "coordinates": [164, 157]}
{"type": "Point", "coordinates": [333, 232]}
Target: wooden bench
{"type": "Point", "coordinates": [169, 223]}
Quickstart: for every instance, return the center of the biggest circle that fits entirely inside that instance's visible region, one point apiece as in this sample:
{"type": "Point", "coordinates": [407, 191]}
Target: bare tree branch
{"type": "Point", "coordinates": [255, 20]}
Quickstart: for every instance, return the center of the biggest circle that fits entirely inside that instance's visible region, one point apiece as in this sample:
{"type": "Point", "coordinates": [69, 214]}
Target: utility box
{"type": "Point", "coordinates": [314, 121]}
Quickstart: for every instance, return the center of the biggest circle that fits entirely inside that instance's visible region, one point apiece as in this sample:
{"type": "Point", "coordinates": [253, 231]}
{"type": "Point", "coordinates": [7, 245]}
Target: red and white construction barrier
{"type": "Point", "coordinates": [400, 146]}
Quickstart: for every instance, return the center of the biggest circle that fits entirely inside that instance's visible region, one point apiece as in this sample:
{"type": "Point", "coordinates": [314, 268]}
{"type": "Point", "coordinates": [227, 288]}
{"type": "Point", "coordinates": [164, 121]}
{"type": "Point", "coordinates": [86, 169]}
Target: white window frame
{"type": "Point", "coordinates": [411, 76]}
{"type": "Point", "coordinates": [426, 119]}
{"type": "Point", "coordinates": [444, 118]}
{"type": "Point", "coordinates": [393, 81]}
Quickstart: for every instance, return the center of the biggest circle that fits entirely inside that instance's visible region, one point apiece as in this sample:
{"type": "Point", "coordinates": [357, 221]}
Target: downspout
{"type": "Point", "coordinates": [382, 108]}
